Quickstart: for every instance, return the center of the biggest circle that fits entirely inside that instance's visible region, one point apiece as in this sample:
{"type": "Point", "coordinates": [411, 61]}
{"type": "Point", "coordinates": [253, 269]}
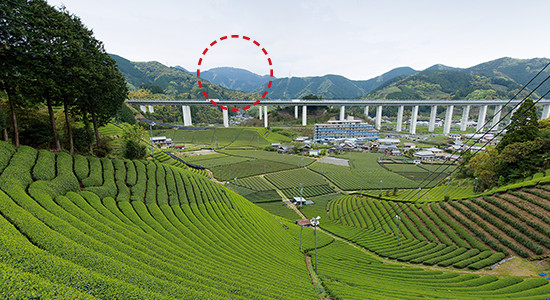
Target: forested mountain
{"type": "Point", "coordinates": [438, 84]}
{"type": "Point", "coordinates": [499, 78]}
{"type": "Point", "coordinates": [173, 81]}
{"type": "Point", "coordinates": [236, 79]}
{"type": "Point", "coordinates": [519, 70]}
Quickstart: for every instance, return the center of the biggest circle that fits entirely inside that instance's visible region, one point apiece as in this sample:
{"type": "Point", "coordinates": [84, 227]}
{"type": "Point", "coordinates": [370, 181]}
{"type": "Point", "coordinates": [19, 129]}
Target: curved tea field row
{"type": "Point", "coordinates": [349, 273]}
{"type": "Point", "coordinates": [87, 228]}
{"type": "Point", "coordinates": [471, 233]}
{"type": "Point", "coordinates": [132, 229]}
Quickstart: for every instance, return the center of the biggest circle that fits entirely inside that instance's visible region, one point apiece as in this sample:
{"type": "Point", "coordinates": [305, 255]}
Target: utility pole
{"type": "Point", "coordinates": [315, 223]}
{"type": "Point", "coordinates": [151, 133]}
{"type": "Point", "coordinates": [475, 187]}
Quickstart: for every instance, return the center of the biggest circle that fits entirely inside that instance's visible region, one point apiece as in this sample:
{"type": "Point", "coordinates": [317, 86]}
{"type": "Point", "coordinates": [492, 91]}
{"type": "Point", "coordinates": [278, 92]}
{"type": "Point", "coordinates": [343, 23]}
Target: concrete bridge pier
{"type": "Point", "coordinates": [143, 108]}
{"type": "Point", "coordinates": [433, 115]}
{"type": "Point", "coordinates": [151, 109]}
{"type": "Point", "coordinates": [225, 113]}
{"type": "Point", "coordinates": [378, 117]}
{"type": "Point", "coordinates": [296, 112]}
{"type": "Point", "coordinates": [414, 118]}
{"type": "Point", "coordinates": [464, 120]}
{"type": "Point", "coordinates": [496, 116]}
{"type": "Point", "coordinates": [481, 118]}
{"type": "Point", "coordinates": [342, 112]}
{"type": "Point", "coordinates": [186, 111]}
{"type": "Point", "coordinates": [260, 113]}
{"type": "Point", "coordinates": [448, 120]}
{"type": "Point", "coordinates": [265, 116]}
{"type": "Point", "coordinates": [366, 112]}
{"type": "Point", "coordinates": [399, 124]}
{"type": "Point", "coordinates": [545, 111]}
{"type": "Point", "coordinates": [304, 115]}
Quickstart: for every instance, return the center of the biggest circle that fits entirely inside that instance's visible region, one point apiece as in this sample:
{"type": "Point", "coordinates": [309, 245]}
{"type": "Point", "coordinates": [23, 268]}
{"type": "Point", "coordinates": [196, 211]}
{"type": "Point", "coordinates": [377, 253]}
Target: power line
{"type": "Point", "coordinates": [384, 216]}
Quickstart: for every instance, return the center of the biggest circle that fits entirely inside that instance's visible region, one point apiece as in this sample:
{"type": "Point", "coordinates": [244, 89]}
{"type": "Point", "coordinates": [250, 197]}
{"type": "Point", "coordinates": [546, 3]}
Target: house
{"type": "Point", "coordinates": [301, 138]}
{"type": "Point", "coordinates": [389, 141]}
{"type": "Point", "coordinates": [334, 150]}
{"type": "Point", "coordinates": [395, 152]}
{"type": "Point", "coordinates": [452, 157]}
{"type": "Point", "coordinates": [303, 222]}
{"type": "Point", "coordinates": [409, 145]}
{"type": "Point", "coordinates": [436, 151]}
{"type": "Point", "coordinates": [275, 145]}
{"type": "Point", "coordinates": [285, 148]}
{"type": "Point", "coordinates": [302, 201]}
{"type": "Point", "coordinates": [314, 152]}
{"type": "Point", "coordinates": [162, 141]}
{"type": "Point", "coordinates": [425, 155]}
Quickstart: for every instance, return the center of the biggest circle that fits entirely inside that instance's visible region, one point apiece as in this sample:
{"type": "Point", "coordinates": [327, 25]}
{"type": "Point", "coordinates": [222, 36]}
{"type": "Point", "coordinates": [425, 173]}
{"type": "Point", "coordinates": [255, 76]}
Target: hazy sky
{"type": "Point", "coordinates": [356, 39]}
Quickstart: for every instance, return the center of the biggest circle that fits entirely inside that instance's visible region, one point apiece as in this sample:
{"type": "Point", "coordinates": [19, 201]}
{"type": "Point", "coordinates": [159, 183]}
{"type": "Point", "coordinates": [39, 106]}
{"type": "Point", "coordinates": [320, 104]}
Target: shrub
{"type": "Point", "coordinates": [95, 177]}
{"type": "Point", "coordinates": [139, 189]}
{"type": "Point", "coordinates": [131, 175]}
{"type": "Point", "coordinates": [44, 169]}
{"type": "Point", "coordinates": [81, 168]}
{"type": "Point", "coordinates": [134, 149]}
{"type": "Point", "coordinates": [6, 152]}
{"type": "Point", "coordinates": [494, 258]}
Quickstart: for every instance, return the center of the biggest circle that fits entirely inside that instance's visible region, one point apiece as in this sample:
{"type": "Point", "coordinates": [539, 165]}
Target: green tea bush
{"type": "Point", "coordinates": [81, 167]}
{"type": "Point", "coordinates": [44, 169]}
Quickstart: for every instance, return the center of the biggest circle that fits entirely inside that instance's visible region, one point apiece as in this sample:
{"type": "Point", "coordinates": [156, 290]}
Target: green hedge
{"type": "Point", "coordinates": [6, 152]}
{"type": "Point", "coordinates": [120, 179]}
{"type": "Point", "coordinates": [44, 169]}
{"type": "Point", "coordinates": [19, 169]}
{"type": "Point", "coordinates": [139, 189]}
{"type": "Point", "coordinates": [458, 258]}
{"type": "Point", "coordinates": [494, 258]}
{"type": "Point", "coordinates": [81, 167]}
{"type": "Point", "coordinates": [471, 260]}
{"type": "Point", "coordinates": [95, 177]}
{"type": "Point", "coordinates": [131, 175]}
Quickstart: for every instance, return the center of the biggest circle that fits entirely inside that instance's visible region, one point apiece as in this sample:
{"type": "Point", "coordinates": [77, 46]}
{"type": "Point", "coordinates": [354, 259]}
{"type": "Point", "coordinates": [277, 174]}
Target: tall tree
{"type": "Point", "coordinates": [524, 126]}
{"type": "Point", "coordinates": [103, 87]}
{"type": "Point", "coordinates": [15, 28]}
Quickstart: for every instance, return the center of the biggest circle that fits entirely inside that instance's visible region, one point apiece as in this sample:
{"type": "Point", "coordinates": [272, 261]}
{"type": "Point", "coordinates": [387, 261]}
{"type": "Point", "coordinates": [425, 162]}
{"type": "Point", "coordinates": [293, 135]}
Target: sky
{"type": "Point", "coordinates": [356, 39]}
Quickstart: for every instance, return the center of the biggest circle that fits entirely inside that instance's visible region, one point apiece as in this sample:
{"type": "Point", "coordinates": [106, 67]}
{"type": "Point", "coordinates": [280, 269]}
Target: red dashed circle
{"type": "Point", "coordinates": [235, 36]}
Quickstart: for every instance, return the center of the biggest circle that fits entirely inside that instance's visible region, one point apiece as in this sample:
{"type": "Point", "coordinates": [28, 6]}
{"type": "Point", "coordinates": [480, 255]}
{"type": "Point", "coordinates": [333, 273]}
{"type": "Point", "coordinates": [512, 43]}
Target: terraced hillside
{"type": "Point", "coordinates": [109, 229]}
{"type": "Point", "coordinates": [86, 228]}
{"type": "Point", "coordinates": [468, 233]}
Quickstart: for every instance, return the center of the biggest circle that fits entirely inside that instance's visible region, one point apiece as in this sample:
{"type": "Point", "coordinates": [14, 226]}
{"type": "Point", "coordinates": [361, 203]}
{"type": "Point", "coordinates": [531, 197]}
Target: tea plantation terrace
{"type": "Point", "coordinates": [87, 228]}
{"type": "Point", "coordinates": [450, 104]}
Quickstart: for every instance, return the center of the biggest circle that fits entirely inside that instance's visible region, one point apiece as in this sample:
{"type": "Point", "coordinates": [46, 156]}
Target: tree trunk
{"type": "Point", "coordinates": [52, 123]}
{"type": "Point", "coordinates": [69, 128]}
{"type": "Point", "coordinates": [5, 134]}
{"type": "Point", "coordinates": [88, 134]}
{"type": "Point", "coordinates": [96, 130]}
{"type": "Point", "coordinates": [11, 95]}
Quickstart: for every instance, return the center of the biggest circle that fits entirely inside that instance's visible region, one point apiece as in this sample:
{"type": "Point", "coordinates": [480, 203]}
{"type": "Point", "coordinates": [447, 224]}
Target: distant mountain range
{"type": "Point", "coordinates": [236, 79]}
{"type": "Point", "coordinates": [174, 81]}
{"type": "Point", "coordinates": [499, 78]}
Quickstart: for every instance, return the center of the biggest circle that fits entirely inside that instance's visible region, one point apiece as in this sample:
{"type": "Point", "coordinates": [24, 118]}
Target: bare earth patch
{"type": "Point", "coordinates": [522, 267]}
